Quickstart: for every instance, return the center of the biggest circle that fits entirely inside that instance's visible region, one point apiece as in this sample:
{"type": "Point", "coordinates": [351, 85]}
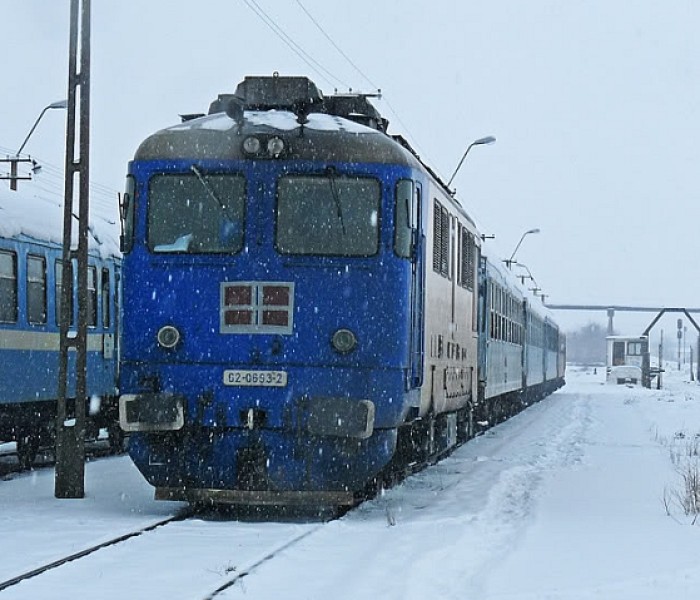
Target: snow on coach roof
{"type": "Point", "coordinates": [498, 270]}
{"type": "Point", "coordinates": [39, 215]}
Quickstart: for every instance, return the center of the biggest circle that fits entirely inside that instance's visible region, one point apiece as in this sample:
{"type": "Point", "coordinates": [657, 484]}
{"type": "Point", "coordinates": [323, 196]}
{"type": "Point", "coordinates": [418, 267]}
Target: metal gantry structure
{"type": "Point", "coordinates": [611, 309]}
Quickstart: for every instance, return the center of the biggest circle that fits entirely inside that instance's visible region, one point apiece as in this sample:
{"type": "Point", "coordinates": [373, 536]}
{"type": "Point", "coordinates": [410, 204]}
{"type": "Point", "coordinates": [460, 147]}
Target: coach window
{"type": "Point", "coordinates": [92, 296]}
{"type": "Point", "coordinates": [58, 277]}
{"type": "Point", "coordinates": [105, 297]}
{"type": "Point", "coordinates": [8, 287]}
{"type": "Point", "coordinates": [330, 215]}
{"type": "Point", "coordinates": [404, 218]}
{"type": "Point", "coordinates": [196, 213]}
{"type": "Point", "coordinates": [36, 289]}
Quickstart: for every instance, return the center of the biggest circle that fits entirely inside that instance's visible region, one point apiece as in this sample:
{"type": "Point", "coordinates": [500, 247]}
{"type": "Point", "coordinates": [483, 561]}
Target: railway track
{"type": "Point", "coordinates": [86, 552]}
{"type": "Point", "coordinates": [244, 546]}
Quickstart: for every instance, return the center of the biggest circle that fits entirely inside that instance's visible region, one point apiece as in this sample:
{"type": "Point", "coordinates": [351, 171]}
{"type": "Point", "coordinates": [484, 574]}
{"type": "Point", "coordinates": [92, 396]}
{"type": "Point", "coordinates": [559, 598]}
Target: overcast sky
{"type": "Point", "coordinates": [595, 105]}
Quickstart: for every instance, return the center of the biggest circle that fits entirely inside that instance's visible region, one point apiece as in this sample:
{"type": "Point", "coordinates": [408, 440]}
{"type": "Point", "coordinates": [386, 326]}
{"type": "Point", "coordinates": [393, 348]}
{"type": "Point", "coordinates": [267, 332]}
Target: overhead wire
{"type": "Point", "coordinates": [340, 51]}
{"type": "Point", "coordinates": [382, 96]}
{"type": "Point", "coordinates": [296, 48]}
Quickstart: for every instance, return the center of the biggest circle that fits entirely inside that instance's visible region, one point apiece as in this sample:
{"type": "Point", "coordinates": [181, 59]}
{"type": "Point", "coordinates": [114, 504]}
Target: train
{"type": "Point", "coordinates": [307, 310]}
{"type": "Point", "coordinates": [30, 283]}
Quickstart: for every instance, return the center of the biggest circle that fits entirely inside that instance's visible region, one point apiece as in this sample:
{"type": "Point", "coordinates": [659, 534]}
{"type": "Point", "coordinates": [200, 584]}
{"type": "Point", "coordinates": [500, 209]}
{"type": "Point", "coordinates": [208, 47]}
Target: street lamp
{"type": "Point", "coordinates": [59, 104]}
{"type": "Point", "coordinates": [489, 139]}
{"type": "Point", "coordinates": [511, 260]}
{"type": "Point", "coordinates": [14, 161]}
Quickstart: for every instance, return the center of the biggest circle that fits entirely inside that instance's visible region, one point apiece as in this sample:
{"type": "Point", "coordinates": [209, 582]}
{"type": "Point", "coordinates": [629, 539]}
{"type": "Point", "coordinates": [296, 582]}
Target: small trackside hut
{"type": "Point", "coordinates": [625, 359]}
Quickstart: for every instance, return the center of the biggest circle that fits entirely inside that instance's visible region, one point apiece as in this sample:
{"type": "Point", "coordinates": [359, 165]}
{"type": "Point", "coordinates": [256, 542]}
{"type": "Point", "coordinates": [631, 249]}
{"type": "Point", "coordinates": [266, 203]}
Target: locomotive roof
{"type": "Point", "coordinates": [332, 137]}
{"type": "Point", "coordinates": [336, 128]}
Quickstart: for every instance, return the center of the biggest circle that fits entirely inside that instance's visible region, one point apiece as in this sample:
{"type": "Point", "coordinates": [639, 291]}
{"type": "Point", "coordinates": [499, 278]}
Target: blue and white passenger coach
{"type": "Point", "coordinates": [30, 283]}
{"type": "Point", "coordinates": [299, 308]}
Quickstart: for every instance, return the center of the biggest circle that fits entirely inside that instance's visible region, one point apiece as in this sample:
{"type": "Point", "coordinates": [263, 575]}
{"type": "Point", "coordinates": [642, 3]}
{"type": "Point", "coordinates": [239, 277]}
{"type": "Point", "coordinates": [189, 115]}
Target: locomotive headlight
{"type": "Point", "coordinates": [168, 336]}
{"type": "Point", "coordinates": [275, 147]}
{"type": "Point", "coordinates": [344, 341]}
{"type": "Point", "coordinates": [251, 145]}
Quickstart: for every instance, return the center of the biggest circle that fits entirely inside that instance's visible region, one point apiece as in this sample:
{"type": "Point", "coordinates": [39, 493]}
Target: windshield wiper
{"type": "Point", "coordinates": [336, 197]}
{"type": "Point", "coordinates": [210, 191]}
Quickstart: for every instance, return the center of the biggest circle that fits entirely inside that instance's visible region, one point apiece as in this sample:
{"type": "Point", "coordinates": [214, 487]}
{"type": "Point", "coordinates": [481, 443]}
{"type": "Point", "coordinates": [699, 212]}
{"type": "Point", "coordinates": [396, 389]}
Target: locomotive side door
{"type": "Point", "coordinates": [417, 288]}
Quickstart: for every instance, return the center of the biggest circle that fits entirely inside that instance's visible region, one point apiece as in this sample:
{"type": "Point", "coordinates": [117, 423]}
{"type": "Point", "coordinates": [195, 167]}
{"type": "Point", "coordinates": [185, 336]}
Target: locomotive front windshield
{"type": "Point", "coordinates": [328, 215]}
{"type": "Point", "coordinates": [196, 213]}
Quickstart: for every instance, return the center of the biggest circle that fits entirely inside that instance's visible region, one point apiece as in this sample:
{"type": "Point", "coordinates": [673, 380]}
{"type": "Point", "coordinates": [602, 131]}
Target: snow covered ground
{"type": "Point", "coordinates": [569, 500]}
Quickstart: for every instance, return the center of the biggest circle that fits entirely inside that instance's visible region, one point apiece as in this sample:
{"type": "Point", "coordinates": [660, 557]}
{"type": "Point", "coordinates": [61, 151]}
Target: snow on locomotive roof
{"type": "Point", "coordinates": [39, 216]}
{"type": "Point", "coordinates": [280, 120]}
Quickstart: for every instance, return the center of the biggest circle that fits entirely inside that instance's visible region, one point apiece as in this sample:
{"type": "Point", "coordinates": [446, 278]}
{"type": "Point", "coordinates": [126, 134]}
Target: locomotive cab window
{"type": "Point", "coordinates": [126, 213]}
{"type": "Point", "coordinates": [405, 218]}
{"type": "Point", "coordinates": [196, 213]}
{"type": "Point", "coordinates": [8, 287]}
{"type": "Point", "coordinates": [333, 215]}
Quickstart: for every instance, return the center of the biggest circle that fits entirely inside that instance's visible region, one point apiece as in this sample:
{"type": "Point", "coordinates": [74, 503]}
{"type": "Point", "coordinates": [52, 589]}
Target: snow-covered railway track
{"type": "Point", "coordinates": [251, 568]}
{"type": "Point", "coordinates": [167, 557]}
{"type": "Point", "coordinates": [88, 551]}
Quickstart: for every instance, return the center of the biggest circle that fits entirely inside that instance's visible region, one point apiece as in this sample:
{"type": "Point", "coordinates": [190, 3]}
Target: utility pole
{"type": "Point", "coordinates": [70, 432]}
{"type": "Point", "coordinates": [14, 176]}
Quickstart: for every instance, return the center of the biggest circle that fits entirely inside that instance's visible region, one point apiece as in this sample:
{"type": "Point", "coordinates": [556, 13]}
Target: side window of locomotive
{"type": "Point", "coordinates": [467, 262]}
{"type": "Point", "coordinates": [8, 287]}
{"type": "Point", "coordinates": [58, 277]}
{"type": "Point", "coordinates": [36, 289]}
{"type": "Point", "coordinates": [196, 213]}
{"type": "Point", "coordinates": [126, 214]}
{"type": "Point", "coordinates": [92, 296]}
{"type": "Point", "coordinates": [404, 218]}
{"type": "Point", "coordinates": [331, 215]}
{"type": "Point", "coordinates": [441, 240]}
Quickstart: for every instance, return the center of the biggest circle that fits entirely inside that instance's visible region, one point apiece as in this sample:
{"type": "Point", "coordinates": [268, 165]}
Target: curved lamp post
{"type": "Point", "coordinates": [489, 139]}
{"type": "Point", "coordinates": [59, 104]}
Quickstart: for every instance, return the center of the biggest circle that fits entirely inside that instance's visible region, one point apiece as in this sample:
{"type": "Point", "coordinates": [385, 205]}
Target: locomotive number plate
{"type": "Point", "coordinates": [255, 378]}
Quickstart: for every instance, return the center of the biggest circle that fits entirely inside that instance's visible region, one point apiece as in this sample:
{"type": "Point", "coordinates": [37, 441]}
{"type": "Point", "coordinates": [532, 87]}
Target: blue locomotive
{"type": "Point", "coordinates": [30, 284]}
{"type": "Point", "coordinates": [301, 302]}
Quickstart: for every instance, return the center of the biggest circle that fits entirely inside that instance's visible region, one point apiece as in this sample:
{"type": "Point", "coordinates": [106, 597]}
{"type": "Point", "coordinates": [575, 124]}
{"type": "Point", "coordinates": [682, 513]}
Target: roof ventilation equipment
{"type": "Point", "coordinates": [298, 95]}
{"type": "Point", "coordinates": [356, 107]}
